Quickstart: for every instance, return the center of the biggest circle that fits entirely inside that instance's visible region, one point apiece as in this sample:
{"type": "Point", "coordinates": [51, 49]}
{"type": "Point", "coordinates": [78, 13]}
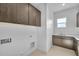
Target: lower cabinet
{"type": "Point", "coordinates": [57, 41]}
{"type": "Point", "coordinates": [78, 47]}
{"type": "Point", "coordinates": [66, 42]}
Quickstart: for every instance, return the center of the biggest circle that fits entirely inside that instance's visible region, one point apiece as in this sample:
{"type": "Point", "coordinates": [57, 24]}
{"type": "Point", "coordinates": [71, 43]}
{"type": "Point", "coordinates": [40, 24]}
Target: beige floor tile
{"type": "Point", "coordinates": [55, 51]}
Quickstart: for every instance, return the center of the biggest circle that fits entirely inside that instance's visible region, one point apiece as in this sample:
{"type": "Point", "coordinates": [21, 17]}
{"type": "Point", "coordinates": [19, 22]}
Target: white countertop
{"type": "Point", "coordinates": [75, 36]}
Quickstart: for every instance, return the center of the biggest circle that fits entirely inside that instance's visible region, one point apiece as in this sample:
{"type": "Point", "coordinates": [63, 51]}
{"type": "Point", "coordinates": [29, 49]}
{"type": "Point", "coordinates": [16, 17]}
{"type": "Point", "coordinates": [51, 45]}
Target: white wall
{"type": "Point", "coordinates": [21, 39]}
{"type": "Point", "coordinates": [49, 25]}
{"type": "Point", "coordinates": [70, 29]}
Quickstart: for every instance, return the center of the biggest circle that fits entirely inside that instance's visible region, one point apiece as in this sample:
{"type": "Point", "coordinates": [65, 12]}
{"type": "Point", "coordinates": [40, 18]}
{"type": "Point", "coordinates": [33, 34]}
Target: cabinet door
{"type": "Point", "coordinates": [67, 42]}
{"type": "Point", "coordinates": [57, 41]}
{"type": "Point", "coordinates": [38, 18]}
{"type": "Point", "coordinates": [3, 12]}
{"type": "Point", "coordinates": [12, 12]}
{"type": "Point", "coordinates": [22, 13]}
{"type": "Point", "coordinates": [32, 15]}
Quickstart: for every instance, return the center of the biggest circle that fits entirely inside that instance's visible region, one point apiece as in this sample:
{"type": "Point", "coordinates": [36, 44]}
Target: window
{"type": "Point", "coordinates": [61, 23]}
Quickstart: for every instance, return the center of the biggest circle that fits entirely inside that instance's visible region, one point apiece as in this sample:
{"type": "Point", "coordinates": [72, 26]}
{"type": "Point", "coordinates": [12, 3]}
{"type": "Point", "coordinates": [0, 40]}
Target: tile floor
{"type": "Point", "coordinates": [55, 51]}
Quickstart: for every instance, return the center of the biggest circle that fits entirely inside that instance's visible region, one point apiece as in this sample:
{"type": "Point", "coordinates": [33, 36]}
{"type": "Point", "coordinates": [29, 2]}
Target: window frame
{"type": "Point", "coordinates": [64, 23]}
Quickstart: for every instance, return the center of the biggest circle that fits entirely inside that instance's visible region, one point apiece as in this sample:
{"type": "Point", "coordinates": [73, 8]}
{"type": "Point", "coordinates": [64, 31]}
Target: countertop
{"type": "Point", "coordinates": [75, 36]}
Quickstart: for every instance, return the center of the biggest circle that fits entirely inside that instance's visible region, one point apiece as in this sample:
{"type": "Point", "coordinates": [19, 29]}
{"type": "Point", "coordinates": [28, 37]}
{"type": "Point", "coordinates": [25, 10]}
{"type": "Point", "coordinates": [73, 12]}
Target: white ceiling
{"type": "Point", "coordinates": [58, 6]}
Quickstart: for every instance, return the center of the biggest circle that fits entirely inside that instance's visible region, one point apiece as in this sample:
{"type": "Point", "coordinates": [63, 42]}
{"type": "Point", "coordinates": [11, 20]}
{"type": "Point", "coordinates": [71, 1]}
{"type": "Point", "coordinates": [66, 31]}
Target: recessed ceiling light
{"type": "Point", "coordinates": [63, 4]}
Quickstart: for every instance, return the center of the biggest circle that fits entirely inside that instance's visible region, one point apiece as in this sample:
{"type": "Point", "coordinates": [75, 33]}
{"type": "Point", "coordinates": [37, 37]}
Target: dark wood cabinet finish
{"type": "Point", "coordinates": [8, 13]}
{"type": "Point", "coordinates": [75, 46]}
{"type": "Point", "coordinates": [57, 41]}
{"type": "Point", "coordinates": [12, 13]}
{"type": "Point", "coordinates": [3, 12]}
{"type": "Point", "coordinates": [63, 41]}
{"type": "Point", "coordinates": [38, 18]}
{"type": "Point", "coordinates": [66, 42]}
{"type": "Point", "coordinates": [20, 13]}
{"type": "Point", "coordinates": [34, 16]}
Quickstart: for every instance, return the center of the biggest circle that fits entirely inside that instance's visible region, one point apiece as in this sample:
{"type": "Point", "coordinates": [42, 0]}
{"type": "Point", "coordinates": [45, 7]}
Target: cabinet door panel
{"type": "Point", "coordinates": [3, 12]}
{"type": "Point", "coordinates": [38, 18]}
{"type": "Point", "coordinates": [67, 43]}
{"type": "Point", "coordinates": [22, 13]}
{"type": "Point", "coordinates": [12, 13]}
{"type": "Point", "coordinates": [32, 15]}
{"type": "Point", "coordinates": [57, 41]}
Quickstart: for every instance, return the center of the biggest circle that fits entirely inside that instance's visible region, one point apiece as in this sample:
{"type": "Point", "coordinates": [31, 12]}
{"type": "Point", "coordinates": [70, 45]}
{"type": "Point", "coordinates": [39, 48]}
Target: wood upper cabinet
{"type": "Point", "coordinates": [34, 16]}
{"type": "Point", "coordinates": [8, 12]}
{"type": "Point", "coordinates": [3, 12]}
{"type": "Point", "coordinates": [22, 13]}
{"type": "Point", "coordinates": [38, 18]}
{"type": "Point", "coordinates": [12, 13]}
